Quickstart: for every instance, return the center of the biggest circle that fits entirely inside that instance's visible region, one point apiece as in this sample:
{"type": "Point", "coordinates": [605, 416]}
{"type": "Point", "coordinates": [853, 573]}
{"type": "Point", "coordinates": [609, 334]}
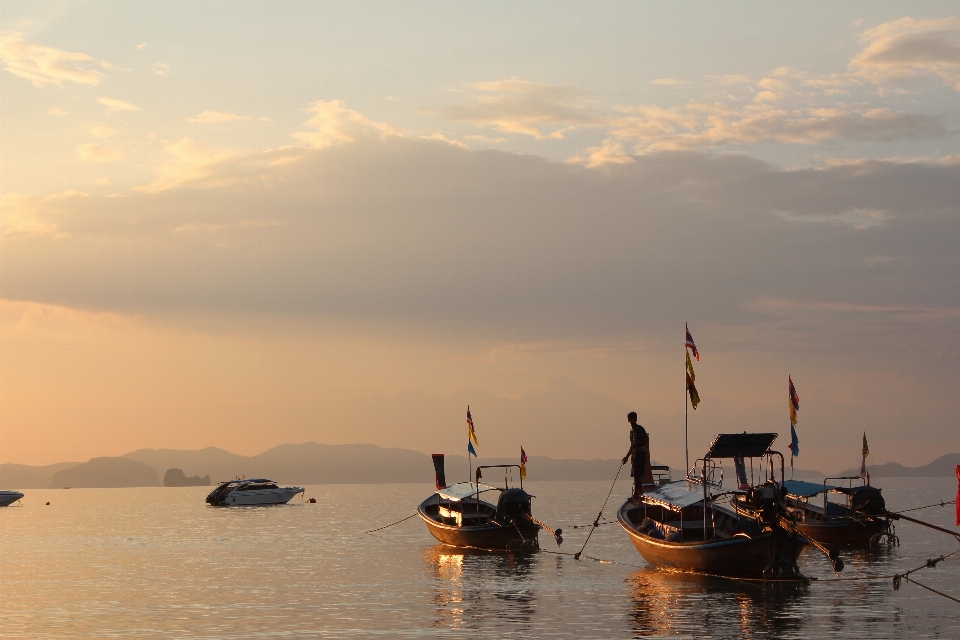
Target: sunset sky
{"type": "Point", "coordinates": [240, 224]}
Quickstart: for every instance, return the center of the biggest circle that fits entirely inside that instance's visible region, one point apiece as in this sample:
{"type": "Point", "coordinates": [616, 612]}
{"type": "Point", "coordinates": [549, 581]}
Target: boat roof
{"type": "Point", "coordinates": [741, 445]}
{"type": "Point", "coordinates": [675, 495]}
{"type": "Point", "coordinates": [463, 490]}
{"type": "Point", "coordinates": [805, 489]}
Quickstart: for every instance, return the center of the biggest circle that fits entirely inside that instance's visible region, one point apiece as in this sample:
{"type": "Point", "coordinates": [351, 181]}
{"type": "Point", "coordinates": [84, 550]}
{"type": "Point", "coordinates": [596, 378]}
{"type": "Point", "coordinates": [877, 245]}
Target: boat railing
{"type": "Point", "coordinates": [708, 468]}
{"type": "Point", "coordinates": [849, 499]}
{"type": "Point", "coordinates": [661, 474]}
{"type": "Point", "coordinates": [506, 484]}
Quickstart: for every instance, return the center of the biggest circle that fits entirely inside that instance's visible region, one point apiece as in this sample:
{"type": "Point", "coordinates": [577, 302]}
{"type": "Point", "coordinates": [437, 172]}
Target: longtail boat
{"type": "Point", "coordinates": [857, 521]}
{"type": "Point", "coordinates": [481, 516]}
{"type": "Point", "coordinates": [684, 526]}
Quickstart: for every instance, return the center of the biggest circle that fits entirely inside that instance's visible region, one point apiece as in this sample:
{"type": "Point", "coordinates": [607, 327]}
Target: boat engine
{"type": "Point", "coordinates": [513, 504]}
{"type": "Point", "coordinates": [766, 502]}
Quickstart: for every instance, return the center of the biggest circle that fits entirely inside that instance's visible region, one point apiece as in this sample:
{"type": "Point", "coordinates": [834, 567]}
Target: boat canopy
{"type": "Point", "coordinates": [463, 490]}
{"type": "Point", "coordinates": [676, 495]}
{"type": "Point", "coordinates": [805, 489]}
{"type": "Point", "coordinates": [741, 445]}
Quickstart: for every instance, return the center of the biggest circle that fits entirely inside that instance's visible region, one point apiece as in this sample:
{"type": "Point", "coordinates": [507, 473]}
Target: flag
{"type": "Point", "coordinates": [690, 345]}
{"type": "Point", "coordinates": [794, 443]}
{"type": "Point", "coordinates": [863, 459]}
{"type": "Point", "coordinates": [471, 450]}
{"type": "Point", "coordinates": [471, 433]}
{"type": "Point", "coordinates": [794, 402]}
{"type": "Point", "coordinates": [694, 396]}
{"type": "Point", "coordinates": [523, 464]}
{"type": "Point", "coordinates": [693, 376]}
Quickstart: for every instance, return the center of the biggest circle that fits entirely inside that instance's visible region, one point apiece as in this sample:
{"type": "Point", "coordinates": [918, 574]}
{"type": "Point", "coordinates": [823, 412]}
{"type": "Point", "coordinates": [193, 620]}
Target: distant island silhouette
{"type": "Point", "coordinates": [177, 478]}
{"type": "Point", "coordinates": [313, 463]}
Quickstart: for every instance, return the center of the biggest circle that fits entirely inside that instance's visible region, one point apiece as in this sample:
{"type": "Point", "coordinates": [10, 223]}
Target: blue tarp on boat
{"type": "Point", "coordinates": [805, 489]}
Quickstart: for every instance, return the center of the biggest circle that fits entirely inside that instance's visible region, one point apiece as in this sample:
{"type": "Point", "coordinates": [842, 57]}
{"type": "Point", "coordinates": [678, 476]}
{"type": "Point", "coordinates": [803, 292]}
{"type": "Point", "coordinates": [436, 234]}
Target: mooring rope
{"type": "Point", "coordinates": [596, 523]}
{"type": "Point", "coordinates": [936, 504]}
{"type": "Point", "coordinates": [391, 524]}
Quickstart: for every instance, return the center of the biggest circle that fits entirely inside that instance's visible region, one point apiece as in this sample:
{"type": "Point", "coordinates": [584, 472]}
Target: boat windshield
{"type": "Point", "coordinates": [462, 490]}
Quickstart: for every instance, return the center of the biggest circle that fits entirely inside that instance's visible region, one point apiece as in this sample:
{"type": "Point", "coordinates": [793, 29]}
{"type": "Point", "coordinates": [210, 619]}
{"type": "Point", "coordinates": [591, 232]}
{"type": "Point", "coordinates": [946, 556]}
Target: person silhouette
{"type": "Point", "coordinates": [639, 453]}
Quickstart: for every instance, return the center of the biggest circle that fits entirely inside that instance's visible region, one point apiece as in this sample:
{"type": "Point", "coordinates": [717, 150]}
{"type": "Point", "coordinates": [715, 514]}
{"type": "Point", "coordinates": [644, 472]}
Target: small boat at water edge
{"type": "Point", "coordinates": [9, 497]}
{"type": "Point", "coordinates": [681, 526]}
{"type": "Point", "coordinates": [251, 492]}
{"type": "Point", "coordinates": [464, 515]}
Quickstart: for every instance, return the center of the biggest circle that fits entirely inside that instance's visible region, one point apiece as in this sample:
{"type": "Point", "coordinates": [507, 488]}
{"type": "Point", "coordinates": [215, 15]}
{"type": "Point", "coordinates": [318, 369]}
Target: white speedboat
{"type": "Point", "coordinates": [9, 497]}
{"type": "Point", "coordinates": [254, 491]}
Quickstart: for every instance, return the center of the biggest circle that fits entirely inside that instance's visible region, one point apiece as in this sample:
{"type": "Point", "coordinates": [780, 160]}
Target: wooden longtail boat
{"type": "Point", "coordinates": [464, 515]}
{"type": "Point", "coordinates": [681, 526]}
{"type": "Point", "coordinates": [857, 522]}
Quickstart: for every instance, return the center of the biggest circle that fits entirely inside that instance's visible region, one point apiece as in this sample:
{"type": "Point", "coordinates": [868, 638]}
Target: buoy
{"type": "Point", "coordinates": [312, 500]}
{"type": "Point", "coordinates": [48, 504]}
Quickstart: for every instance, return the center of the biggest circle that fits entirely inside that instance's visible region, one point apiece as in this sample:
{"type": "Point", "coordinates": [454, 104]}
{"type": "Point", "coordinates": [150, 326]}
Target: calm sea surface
{"type": "Point", "coordinates": [150, 563]}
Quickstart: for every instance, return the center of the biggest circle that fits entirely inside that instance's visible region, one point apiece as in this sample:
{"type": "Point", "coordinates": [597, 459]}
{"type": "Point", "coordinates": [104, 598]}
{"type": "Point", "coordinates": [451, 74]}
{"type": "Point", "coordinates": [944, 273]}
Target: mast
{"type": "Point", "coordinates": [686, 411]}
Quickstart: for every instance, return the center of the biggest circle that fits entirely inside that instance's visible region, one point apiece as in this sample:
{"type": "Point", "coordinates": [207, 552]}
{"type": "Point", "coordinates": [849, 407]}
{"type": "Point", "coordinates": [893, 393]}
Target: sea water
{"type": "Point", "coordinates": [158, 562]}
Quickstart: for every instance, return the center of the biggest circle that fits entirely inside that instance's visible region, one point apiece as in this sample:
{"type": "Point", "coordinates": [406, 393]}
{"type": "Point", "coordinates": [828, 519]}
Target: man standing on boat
{"type": "Point", "coordinates": [640, 454]}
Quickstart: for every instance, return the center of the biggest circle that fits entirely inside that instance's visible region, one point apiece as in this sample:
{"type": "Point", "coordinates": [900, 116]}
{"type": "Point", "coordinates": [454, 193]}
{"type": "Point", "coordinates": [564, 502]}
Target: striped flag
{"type": "Point", "coordinates": [690, 345]}
{"type": "Point", "coordinates": [794, 402]}
{"type": "Point", "coordinates": [471, 433]}
{"type": "Point", "coordinates": [523, 464]}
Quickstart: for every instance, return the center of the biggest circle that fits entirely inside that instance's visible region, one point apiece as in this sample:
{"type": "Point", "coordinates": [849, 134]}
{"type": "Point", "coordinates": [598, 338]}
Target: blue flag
{"type": "Point", "coordinates": [794, 442]}
{"type": "Point", "coordinates": [471, 450]}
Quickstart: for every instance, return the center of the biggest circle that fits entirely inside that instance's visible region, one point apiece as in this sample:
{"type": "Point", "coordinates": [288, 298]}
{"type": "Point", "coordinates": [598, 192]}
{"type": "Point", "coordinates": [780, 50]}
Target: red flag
{"type": "Point", "coordinates": [690, 345]}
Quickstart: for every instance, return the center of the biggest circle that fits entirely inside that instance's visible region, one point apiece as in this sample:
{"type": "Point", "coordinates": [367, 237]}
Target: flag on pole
{"type": "Point", "coordinates": [471, 433]}
{"type": "Point", "coordinates": [693, 376]}
{"type": "Point", "coordinates": [690, 345]}
{"type": "Point", "coordinates": [794, 443]}
{"type": "Point", "coordinates": [863, 459]}
{"type": "Point", "coordinates": [794, 402]}
{"type": "Point", "coordinates": [471, 450]}
{"type": "Point", "coordinates": [692, 389]}
{"type": "Point", "coordinates": [523, 464]}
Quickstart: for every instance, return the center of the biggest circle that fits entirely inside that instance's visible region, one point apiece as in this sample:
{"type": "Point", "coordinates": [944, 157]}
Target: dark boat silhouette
{"type": "Point", "coordinates": [856, 522]}
{"type": "Point", "coordinates": [481, 516]}
{"type": "Point", "coordinates": [681, 526]}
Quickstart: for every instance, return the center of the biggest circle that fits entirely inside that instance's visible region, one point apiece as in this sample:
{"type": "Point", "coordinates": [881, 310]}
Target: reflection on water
{"type": "Point", "coordinates": [474, 586]}
{"type": "Point", "coordinates": [665, 603]}
{"type": "Point", "coordinates": [159, 563]}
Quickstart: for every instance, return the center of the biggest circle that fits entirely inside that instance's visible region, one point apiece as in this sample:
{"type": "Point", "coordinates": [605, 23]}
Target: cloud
{"type": "Point", "coordinates": [609, 152]}
{"type": "Point", "coordinates": [701, 125]}
{"type": "Point", "coordinates": [45, 65]}
{"type": "Point", "coordinates": [909, 48]}
{"type": "Point", "coordinates": [113, 104]}
{"type": "Point", "coordinates": [519, 106]}
{"type": "Point", "coordinates": [102, 132]}
{"type": "Point", "coordinates": [208, 117]}
{"type": "Point", "coordinates": [57, 111]}
{"type": "Point", "coordinates": [334, 124]}
{"type": "Point", "coordinates": [99, 153]}
{"type": "Point", "coordinates": [160, 69]}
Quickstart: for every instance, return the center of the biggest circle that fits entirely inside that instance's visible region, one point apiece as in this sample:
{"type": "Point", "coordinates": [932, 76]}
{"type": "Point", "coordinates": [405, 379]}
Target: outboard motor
{"type": "Point", "coordinates": [867, 500]}
{"type": "Point", "coordinates": [513, 504]}
{"type": "Point", "coordinates": [766, 501]}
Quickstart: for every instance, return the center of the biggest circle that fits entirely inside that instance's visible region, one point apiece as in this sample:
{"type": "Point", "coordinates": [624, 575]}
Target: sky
{"type": "Point", "coordinates": [241, 224]}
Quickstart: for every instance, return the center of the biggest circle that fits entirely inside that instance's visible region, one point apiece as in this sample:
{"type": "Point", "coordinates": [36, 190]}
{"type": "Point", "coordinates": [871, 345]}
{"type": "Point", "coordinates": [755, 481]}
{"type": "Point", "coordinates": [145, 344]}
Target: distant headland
{"type": "Point", "coordinates": [312, 463]}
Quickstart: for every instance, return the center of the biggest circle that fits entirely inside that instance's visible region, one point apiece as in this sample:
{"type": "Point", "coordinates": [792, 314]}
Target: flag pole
{"type": "Point", "coordinates": [686, 412]}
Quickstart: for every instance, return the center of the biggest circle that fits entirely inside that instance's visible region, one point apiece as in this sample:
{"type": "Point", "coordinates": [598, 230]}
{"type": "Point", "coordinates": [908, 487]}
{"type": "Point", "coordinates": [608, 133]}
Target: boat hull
{"type": "Point", "coordinates": [763, 555]}
{"type": "Point", "coordinates": [260, 497]}
{"type": "Point", "coordinates": [519, 536]}
{"type": "Point", "coordinates": [853, 533]}
{"type": "Point", "coordinates": [9, 497]}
